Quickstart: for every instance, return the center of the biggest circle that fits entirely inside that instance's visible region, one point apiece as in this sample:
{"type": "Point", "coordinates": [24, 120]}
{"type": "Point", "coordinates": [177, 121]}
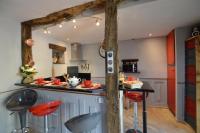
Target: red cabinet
{"type": "Point", "coordinates": [171, 48]}
{"type": "Point", "coordinates": [171, 89]}
{"type": "Point", "coordinates": [171, 80]}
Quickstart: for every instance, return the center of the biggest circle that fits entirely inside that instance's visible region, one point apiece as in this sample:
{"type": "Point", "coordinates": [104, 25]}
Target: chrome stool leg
{"type": "Point", "coordinates": [135, 120]}
{"type": "Point", "coordinates": [135, 116]}
{"type": "Point", "coordinates": [46, 124]}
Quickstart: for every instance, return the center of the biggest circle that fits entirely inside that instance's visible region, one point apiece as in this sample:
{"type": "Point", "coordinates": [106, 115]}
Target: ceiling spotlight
{"type": "Point", "coordinates": [97, 23]}
{"type": "Point", "coordinates": [74, 20]}
{"type": "Point", "coordinates": [150, 34]}
{"type": "Point", "coordinates": [48, 31]}
{"type": "Point", "coordinates": [67, 39]}
{"type": "Point", "coordinates": [45, 31]}
{"type": "Point", "coordinates": [75, 27]}
{"type": "Point", "coordinates": [60, 25]}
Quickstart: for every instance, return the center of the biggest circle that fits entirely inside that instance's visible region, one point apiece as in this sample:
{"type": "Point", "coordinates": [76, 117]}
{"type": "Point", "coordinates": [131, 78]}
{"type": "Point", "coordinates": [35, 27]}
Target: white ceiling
{"type": "Point", "coordinates": [137, 21]}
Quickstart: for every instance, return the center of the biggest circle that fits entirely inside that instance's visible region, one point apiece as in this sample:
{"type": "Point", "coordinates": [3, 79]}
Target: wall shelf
{"type": "Point", "coordinates": [133, 72]}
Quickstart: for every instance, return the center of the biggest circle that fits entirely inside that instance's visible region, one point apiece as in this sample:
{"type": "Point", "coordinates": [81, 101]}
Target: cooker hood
{"type": "Point", "coordinates": [76, 52]}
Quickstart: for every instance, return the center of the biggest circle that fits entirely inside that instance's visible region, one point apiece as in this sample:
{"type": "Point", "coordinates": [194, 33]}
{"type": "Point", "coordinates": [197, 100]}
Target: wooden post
{"type": "Point", "coordinates": [96, 6]}
{"type": "Point", "coordinates": [112, 97]}
{"type": "Point", "coordinates": [26, 50]}
{"type": "Point", "coordinates": [198, 84]}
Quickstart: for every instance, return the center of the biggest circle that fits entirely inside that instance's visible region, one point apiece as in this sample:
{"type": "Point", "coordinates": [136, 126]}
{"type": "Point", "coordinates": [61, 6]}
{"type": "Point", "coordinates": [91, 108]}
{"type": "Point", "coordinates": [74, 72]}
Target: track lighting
{"type": "Point", "coordinates": [97, 23]}
{"type": "Point", "coordinates": [74, 20]}
{"type": "Point", "coordinates": [60, 25]}
{"type": "Point", "coordinates": [75, 27]}
{"type": "Point", "coordinates": [46, 31]}
{"type": "Point", "coordinates": [150, 34]}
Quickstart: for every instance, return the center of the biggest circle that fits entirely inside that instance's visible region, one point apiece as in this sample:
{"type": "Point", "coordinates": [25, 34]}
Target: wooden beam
{"type": "Point", "coordinates": [198, 84]}
{"type": "Point", "coordinates": [26, 33]}
{"type": "Point", "coordinates": [97, 6]}
{"type": "Point", "coordinates": [56, 47]}
{"type": "Point", "coordinates": [112, 92]}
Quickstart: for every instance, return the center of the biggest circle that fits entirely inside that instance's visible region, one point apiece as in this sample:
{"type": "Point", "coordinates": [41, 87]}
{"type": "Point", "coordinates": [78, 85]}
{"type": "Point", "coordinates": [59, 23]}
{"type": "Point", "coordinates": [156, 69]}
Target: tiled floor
{"type": "Point", "coordinates": [160, 120]}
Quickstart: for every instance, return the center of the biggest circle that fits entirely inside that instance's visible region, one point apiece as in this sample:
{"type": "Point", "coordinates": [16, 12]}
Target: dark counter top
{"type": "Point", "coordinates": [145, 88]}
{"type": "Point", "coordinates": [98, 91]}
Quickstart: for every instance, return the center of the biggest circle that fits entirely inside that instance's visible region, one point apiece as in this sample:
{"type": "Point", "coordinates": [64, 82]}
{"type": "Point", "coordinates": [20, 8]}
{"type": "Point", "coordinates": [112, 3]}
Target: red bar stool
{"type": "Point", "coordinates": [135, 97]}
{"type": "Point", "coordinates": [43, 110]}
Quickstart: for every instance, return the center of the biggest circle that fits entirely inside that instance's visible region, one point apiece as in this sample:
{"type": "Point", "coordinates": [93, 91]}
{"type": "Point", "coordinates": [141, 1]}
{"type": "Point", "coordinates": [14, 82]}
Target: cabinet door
{"type": "Point", "coordinates": [171, 89]}
{"type": "Point", "coordinates": [171, 48]}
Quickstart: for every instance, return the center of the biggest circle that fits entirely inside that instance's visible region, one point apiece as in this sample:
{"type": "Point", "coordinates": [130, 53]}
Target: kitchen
{"type": "Point", "coordinates": [129, 48]}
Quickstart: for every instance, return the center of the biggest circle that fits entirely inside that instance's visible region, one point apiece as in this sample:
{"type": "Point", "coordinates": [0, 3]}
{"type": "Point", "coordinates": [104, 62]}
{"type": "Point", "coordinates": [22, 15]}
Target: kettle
{"type": "Point", "coordinates": [74, 81]}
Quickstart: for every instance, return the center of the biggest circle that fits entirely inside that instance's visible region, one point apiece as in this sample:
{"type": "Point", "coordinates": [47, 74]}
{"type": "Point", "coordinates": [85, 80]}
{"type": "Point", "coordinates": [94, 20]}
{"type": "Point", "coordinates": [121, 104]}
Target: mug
{"type": "Point", "coordinates": [56, 81]}
{"type": "Point", "coordinates": [131, 78]}
{"type": "Point", "coordinates": [87, 83]}
{"type": "Point", "coordinates": [40, 80]}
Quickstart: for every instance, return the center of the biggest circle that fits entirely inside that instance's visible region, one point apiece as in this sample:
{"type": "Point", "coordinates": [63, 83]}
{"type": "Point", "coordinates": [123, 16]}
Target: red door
{"type": "Point", "coordinates": [171, 48]}
{"type": "Point", "coordinates": [171, 87]}
{"type": "Point", "coordinates": [171, 80]}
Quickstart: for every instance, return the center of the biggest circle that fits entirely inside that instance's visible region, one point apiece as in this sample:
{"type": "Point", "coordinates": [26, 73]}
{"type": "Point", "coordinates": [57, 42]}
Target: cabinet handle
{"type": "Point", "coordinates": [100, 100]}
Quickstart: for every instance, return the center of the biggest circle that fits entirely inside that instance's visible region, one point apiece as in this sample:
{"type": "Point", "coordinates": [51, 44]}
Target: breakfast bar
{"type": "Point", "coordinates": [66, 88]}
{"type": "Point", "coordinates": [75, 102]}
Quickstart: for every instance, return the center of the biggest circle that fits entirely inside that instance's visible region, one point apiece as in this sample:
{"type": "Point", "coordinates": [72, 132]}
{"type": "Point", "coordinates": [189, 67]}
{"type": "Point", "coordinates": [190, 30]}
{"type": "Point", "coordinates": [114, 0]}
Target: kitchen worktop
{"type": "Point", "coordinates": [65, 88]}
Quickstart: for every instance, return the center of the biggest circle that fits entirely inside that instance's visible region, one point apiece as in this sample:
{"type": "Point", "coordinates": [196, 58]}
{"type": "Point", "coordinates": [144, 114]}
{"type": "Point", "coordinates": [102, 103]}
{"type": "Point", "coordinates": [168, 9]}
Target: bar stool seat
{"type": "Point", "coordinates": [20, 102]}
{"type": "Point", "coordinates": [135, 97]}
{"type": "Point", "coordinates": [83, 123]}
{"type": "Point", "coordinates": [44, 109]}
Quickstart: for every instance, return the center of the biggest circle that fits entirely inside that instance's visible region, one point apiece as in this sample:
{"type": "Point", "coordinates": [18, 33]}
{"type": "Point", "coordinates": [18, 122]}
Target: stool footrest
{"type": "Point", "coordinates": [133, 131]}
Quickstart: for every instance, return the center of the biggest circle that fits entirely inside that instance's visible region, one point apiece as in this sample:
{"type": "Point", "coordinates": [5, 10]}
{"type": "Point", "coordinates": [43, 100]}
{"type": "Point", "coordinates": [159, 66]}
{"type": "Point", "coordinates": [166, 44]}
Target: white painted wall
{"type": "Point", "coordinates": [10, 53]}
{"type": "Point", "coordinates": [42, 55]}
{"type": "Point", "coordinates": [97, 63]}
{"type": "Point", "coordinates": [150, 52]}
{"type": "Point", "coordinates": [10, 61]}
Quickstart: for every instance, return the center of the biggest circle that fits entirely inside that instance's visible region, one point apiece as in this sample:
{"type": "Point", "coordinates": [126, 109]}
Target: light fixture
{"type": "Point", "coordinates": [74, 20]}
{"type": "Point", "coordinates": [67, 39]}
{"type": "Point", "coordinates": [97, 22]}
{"type": "Point", "coordinates": [48, 31]}
{"type": "Point", "coordinates": [150, 34]}
{"type": "Point", "coordinates": [75, 27]}
{"type": "Point", "coordinates": [60, 25]}
{"type": "Point", "coordinates": [45, 31]}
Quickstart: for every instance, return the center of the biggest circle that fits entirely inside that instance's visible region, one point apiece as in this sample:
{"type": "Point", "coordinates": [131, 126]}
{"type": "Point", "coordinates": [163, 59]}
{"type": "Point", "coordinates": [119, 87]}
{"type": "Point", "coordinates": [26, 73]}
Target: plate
{"type": "Point", "coordinates": [94, 86]}
{"type": "Point", "coordinates": [133, 85]}
{"type": "Point", "coordinates": [83, 86]}
{"type": "Point", "coordinates": [61, 84]}
{"type": "Point", "coordinates": [43, 83]}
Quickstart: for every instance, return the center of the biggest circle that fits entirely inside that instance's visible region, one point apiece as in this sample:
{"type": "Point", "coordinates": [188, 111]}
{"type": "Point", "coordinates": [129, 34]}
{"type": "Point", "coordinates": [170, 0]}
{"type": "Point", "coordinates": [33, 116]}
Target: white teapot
{"type": "Point", "coordinates": [74, 81]}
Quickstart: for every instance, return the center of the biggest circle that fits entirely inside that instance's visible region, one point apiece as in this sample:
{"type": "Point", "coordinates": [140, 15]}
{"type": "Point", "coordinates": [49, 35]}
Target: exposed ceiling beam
{"type": "Point", "coordinates": [93, 7]}
{"type": "Point", "coordinates": [67, 14]}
